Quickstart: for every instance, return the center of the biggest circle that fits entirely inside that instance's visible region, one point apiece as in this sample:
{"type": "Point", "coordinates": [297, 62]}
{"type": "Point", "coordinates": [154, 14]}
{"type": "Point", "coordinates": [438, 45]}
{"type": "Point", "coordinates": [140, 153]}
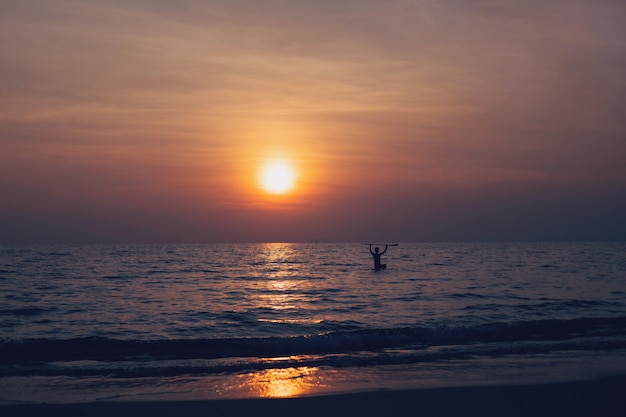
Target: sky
{"type": "Point", "coordinates": [149, 121]}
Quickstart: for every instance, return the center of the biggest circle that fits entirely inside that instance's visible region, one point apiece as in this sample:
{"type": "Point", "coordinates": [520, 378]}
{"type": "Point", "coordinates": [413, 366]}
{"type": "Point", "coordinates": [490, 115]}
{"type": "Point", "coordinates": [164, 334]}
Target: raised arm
{"type": "Point", "coordinates": [371, 249]}
{"type": "Point", "coordinates": [384, 250]}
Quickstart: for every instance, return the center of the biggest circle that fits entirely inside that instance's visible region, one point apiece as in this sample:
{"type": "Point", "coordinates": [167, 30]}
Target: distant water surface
{"type": "Point", "coordinates": [132, 322]}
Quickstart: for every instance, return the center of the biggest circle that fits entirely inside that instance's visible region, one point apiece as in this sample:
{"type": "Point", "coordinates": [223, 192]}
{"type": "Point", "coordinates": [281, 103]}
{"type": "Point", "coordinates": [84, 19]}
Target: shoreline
{"type": "Point", "coordinates": [597, 397]}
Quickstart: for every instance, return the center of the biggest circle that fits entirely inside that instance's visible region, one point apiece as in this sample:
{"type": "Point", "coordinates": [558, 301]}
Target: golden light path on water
{"type": "Point", "coordinates": [282, 382]}
{"type": "Point", "coordinates": [282, 295]}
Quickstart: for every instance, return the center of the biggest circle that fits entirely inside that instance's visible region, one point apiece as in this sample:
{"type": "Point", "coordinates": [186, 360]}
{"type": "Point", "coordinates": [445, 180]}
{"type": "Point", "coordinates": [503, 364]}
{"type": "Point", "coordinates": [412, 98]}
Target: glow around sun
{"type": "Point", "coordinates": [277, 176]}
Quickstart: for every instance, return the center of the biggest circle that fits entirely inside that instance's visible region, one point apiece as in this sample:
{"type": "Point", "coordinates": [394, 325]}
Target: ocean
{"type": "Point", "coordinates": [149, 322]}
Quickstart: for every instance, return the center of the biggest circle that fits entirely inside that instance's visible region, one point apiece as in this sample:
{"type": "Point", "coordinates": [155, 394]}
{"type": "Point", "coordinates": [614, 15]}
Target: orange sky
{"type": "Point", "coordinates": [148, 121]}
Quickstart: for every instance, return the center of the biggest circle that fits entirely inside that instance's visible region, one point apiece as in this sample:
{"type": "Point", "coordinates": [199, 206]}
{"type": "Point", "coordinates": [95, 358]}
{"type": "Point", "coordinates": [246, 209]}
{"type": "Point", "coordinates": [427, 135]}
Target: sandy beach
{"type": "Point", "coordinates": [603, 397]}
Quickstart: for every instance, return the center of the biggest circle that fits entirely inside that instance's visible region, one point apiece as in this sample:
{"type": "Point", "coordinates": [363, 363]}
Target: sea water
{"type": "Point", "coordinates": [145, 322]}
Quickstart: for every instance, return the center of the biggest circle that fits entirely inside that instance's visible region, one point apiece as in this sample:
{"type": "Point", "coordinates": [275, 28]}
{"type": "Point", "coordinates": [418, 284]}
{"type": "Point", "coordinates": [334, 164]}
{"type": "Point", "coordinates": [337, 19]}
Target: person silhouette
{"type": "Point", "coordinates": [377, 254]}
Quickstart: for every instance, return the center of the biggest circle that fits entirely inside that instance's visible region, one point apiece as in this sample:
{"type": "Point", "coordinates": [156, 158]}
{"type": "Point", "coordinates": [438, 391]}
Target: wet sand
{"type": "Point", "coordinates": [603, 397]}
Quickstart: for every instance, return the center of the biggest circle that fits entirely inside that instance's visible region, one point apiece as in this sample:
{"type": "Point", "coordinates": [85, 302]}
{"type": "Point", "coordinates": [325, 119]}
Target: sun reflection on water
{"type": "Point", "coordinates": [276, 252]}
{"type": "Point", "coordinates": [281, 286]}
{"type": "Point", "coordinates": [285, 382]}
{"type": "Point", "coordinates": [282, 294]}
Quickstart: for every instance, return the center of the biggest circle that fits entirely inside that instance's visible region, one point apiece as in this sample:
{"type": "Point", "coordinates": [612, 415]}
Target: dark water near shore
{"type": "Point", "coordinates": [132, 322]}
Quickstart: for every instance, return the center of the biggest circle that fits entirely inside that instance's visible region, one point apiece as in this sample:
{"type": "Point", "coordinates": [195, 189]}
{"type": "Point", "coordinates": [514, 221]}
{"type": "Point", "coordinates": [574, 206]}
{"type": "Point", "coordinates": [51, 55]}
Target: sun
{"type": "Point", "coordinates": [277, 177]}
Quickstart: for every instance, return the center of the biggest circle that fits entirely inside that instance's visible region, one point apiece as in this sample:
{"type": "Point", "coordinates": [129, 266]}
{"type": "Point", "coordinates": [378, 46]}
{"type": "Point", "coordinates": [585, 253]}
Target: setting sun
{"type": "Point", "coordinates": [277, 177]}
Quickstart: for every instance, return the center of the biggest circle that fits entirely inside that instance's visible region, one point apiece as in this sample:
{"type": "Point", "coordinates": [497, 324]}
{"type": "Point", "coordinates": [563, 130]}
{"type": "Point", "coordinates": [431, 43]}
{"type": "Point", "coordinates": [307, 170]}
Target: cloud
{"type": "Point", "coordinates": [163, 111]}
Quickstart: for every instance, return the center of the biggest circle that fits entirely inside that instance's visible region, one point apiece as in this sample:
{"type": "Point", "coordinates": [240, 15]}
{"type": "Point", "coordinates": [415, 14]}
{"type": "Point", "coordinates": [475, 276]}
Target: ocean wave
{"type": "Point", "coordinates": [178, 367]}
{"type": "Point", "coordinates": [25, 351]}
{"type": "Point", "coordinates": [24, 312]}
{"type": "Point", "coordinates": [546, 306]}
